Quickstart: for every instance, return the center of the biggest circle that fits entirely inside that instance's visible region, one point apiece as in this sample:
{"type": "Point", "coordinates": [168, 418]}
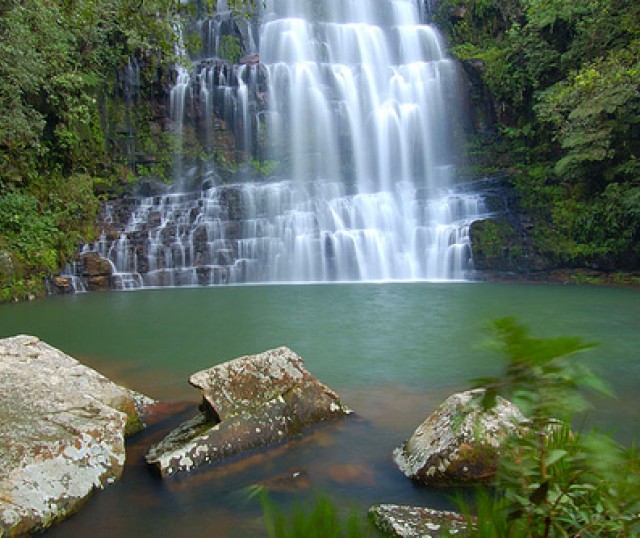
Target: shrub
{"type": "Point", "coordinates": [554, 481]}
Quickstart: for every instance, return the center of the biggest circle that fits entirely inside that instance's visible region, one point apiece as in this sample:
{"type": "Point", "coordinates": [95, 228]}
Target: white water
{"type": "Point", "coordinates": [177, 101]}
{"type": "Point", "coordinates": [362, 101]}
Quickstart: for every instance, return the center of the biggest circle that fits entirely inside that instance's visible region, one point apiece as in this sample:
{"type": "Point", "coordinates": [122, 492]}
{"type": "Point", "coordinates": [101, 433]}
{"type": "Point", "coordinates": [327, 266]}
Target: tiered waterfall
{"type": "Point", "coordinates": [354, 104]}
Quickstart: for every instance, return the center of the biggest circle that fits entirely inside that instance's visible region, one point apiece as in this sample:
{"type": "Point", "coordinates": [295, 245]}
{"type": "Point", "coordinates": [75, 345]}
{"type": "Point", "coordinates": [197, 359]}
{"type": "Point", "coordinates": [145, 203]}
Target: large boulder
{"type": "Point", "coordinates": [97, 271]}
{"type": "Point", "coordinates": [248, 402]}
{"type": "Point", "coordinates": [62, 432]}
{"type": "Point", "coordinates": [419, 522]}
{"type": "Point", "coordinates": [460, 442]}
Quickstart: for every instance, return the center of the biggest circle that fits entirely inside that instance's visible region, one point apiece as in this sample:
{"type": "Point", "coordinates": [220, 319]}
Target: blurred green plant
{"type": "Point", "coordinates": [321, 520]}
{"type": "Point", "coordinates": [554, 481]}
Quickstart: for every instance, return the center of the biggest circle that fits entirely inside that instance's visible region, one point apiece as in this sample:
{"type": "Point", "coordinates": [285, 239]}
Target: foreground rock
{"type": "Point", "coordinates": [248, 402]}
{"type": "Point", "coordinates": [62, 432]}
{"type": "Point", "coordinates": [418, 522]}
{"type": "Point", "coordinates": [459, 443]}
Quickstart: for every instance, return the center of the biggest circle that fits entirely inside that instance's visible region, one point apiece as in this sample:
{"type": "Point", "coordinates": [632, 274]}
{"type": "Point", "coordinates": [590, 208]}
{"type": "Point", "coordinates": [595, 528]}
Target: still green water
{"type": "Point", "coordinates": [392, 351]}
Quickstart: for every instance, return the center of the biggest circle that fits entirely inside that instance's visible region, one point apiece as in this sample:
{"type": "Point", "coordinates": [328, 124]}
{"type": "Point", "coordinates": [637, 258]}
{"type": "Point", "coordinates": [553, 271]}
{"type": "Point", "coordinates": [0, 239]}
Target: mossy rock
{"type": "Point", "coordinates": [460, 442]}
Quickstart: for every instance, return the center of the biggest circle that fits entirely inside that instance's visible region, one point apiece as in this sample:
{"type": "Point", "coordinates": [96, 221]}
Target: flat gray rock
{"type": "Point", "coordinates": [62, 429]}
{"type": "Point", "coordinates": [248, 402]}
{"type": "Point", "coordinates": [418, 522]}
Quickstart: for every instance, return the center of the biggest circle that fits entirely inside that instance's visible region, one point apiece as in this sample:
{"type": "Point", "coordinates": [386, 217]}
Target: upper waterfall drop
{"type": "Point", "coordinates": [355, 100]}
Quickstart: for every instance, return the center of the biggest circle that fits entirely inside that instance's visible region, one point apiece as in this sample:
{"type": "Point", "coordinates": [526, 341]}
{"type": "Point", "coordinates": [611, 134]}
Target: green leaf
{"type": "Point", "coordinates": [555, 456]}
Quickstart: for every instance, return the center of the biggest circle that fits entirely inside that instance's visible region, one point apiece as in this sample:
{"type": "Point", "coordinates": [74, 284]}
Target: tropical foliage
{"type": "Point", "coordinates": [58, 64]}
{"type": "Point", "coordinates": [564, 82]}
{"type": "Point", "coordinates": [68, 127]}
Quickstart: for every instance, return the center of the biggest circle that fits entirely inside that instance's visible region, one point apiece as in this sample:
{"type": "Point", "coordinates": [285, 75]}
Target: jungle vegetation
{"type": "Point", "coordinates": [65, 117]}
{"type": "Point", "coordinates": [556, 84]}
{"type": "Point", "coordinates": [557, 91]}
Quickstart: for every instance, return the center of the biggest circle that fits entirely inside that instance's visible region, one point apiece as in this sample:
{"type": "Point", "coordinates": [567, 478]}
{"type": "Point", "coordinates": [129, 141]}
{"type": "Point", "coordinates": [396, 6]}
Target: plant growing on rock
{"type": "Point", "coordinates": [230, 48]}
{"type": "Point", "coordinates": [554, 481]}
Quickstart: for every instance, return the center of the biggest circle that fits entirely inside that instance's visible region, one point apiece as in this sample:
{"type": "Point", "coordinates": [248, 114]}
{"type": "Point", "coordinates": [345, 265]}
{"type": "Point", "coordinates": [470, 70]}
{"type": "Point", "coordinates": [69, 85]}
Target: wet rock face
{"type": "Point", "coordinates": [97, 271]}
{"type": "Point", "coordinates": [62, 285]}
{"type": "Point", "coordinates": [62, 432]}
{"type": "Point", "coordinates": [460, 442]}
{"type": "Point", "coordinates": [418, 522]}
{"type": "Point", "coordinates": [247, 403]}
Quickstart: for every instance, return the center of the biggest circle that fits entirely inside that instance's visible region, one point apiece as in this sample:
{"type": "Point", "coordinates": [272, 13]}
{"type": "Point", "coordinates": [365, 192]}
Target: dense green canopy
{"type": "Point", "coordinates": [564, 81]}
{"type": "Point", "coordinates": [60, 110]}
{"type": "Point", "coordinates": [562, 78]}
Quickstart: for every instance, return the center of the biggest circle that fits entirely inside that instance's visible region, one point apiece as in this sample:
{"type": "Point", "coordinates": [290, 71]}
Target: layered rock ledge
{"type": "Point", "coordinates": [62, 433]}
{"type": "Point", "coordinates": [248, 402]}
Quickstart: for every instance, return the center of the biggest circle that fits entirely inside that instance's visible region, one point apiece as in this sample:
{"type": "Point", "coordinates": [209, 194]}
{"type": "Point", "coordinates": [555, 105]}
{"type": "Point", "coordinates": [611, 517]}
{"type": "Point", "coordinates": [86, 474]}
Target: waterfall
{"type": "Point", "coordinates": [177, 101]}
{"type": "Point", "coordinates": [355, 101]}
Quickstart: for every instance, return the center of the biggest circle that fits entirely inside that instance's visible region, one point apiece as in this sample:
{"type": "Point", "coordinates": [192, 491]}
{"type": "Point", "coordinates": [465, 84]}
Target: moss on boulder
{"type": "Point", "coordinates": [460, 442]}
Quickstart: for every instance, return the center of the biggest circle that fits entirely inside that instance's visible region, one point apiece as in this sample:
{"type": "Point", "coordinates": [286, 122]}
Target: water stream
{"type": "Point", "coordinates": [356, 104]}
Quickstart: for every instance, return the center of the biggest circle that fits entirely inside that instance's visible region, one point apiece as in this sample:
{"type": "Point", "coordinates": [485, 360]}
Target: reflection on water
{"type": "Point", "coordinates": [393, 353]}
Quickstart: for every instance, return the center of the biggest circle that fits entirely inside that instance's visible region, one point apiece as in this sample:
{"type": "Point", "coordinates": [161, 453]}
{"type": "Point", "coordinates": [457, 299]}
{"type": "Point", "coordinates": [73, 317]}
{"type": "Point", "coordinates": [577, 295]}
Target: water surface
{"type": "Point", "coordinates": [392, 351]}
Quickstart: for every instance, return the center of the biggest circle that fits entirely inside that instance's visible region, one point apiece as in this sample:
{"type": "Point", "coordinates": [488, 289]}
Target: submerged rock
{"type": "Point", "coordinates": [459, 443]}
{"type": "Point", "coordinates": [62, 432]}
{"type": "Point", "coordinates": [418, 522]}
{"type": "Point", "coordinates": [248, 402]}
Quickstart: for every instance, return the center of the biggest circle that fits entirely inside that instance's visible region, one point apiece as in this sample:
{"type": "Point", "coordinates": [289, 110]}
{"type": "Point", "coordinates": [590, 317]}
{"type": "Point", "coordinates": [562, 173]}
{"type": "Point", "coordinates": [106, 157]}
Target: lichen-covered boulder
{"type": "Point", "coordinates": [459, 443]}
{"type": "Point", "coordinates": [62, 429]}
{"type": "Point", "coordinates": [248, 402]}
{"type": "Point", "coordinates": [418, 522]}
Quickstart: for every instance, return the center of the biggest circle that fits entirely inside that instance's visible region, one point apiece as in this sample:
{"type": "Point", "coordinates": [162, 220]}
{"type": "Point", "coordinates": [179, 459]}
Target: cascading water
{"type": "Point", "coordinates": [355, 100]}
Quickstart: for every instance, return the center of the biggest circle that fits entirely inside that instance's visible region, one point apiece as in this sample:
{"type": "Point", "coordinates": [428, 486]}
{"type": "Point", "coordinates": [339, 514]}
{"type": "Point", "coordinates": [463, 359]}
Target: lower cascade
{"type": "Point", "coordinates": [354, 104]}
